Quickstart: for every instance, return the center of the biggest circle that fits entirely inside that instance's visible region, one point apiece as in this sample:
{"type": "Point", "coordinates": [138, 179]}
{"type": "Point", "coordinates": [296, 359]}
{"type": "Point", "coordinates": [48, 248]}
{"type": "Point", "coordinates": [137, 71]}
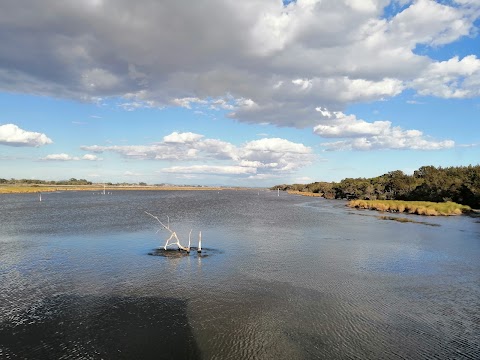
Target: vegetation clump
{"type": "Point", "coordinates": [459, 184]}
{"type": "Point", "coordinates": [412, 207]}
{"type": "Point", "coordinates": [294, 192]}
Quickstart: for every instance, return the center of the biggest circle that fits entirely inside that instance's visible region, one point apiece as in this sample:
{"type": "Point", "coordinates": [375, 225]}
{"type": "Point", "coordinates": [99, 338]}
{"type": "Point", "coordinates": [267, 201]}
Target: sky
{"type": "Point", "coordinates": [237, 93]}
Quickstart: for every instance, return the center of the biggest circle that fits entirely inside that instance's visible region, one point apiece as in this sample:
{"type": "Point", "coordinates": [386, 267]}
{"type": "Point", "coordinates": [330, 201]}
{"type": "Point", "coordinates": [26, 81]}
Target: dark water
{"type": "Point", "coordinates": [282, 278]}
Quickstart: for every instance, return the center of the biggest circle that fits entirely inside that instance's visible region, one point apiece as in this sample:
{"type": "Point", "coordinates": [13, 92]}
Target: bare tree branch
{"type": "Point", "coordinates": [156, 217]}
{"type": "Point", "coordinates": [173, 235]}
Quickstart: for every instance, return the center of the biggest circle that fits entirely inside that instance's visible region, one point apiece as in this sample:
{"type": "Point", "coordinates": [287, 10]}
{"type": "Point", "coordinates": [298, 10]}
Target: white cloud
{"type": "Point", "coordinates": [218, 149]}
{"type": "Point", "coordinates": [59, 157]}
{"type": "Point", "coordinates": [304, 84]}
{"type": "Point", "coordinates": [188, 101]}
{"type": "Point", "coordinates": [135, 105]}
{"type": "Point", "coordinates": [276, 145]}
{"type": "Point", "coordinates": [277, 155]}
{"type": "Point", "coordinates": [262, 61]}
{"type": "Point", "coordinates": [263, 176]}
{"type": "Point", "coordinates": [363, 135]}
{"type": "Point", "coordinates": [350, 126]}
{"type": "Point", "coordinates": [66, 157]}
{"type": "Point", "coordinates": [429, 22]}
{"type": "Point", "coordinates": [211, 169]}
{"type": "Point", "coordinates": [264, 156]}
{"type": "Point", "coordinates": [182, 138]}
{"type": "Point", "coordinates": [453, 78]}
{"type": "Point", "coordinates": [90, 157]}
{"type": "Point", "coordinates": [12, 135]}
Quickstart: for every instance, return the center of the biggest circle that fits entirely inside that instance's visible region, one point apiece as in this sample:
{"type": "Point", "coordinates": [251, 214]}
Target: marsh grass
{"type": "Point", "coordinates": [12, 189]}
{"type": "Point", "coordinates": [412, 207]}
{"type": "Point", "coordinates": [294, 192]}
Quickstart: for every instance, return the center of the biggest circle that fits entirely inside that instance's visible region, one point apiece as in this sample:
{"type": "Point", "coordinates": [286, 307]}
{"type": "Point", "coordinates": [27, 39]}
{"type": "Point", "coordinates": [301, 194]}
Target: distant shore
{"type": "Point", "coordinates": [20, 189]}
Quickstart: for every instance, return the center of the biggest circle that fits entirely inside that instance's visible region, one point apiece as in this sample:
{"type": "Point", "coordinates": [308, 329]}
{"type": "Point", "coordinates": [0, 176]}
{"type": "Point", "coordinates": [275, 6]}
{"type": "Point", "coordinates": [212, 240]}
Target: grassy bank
{"type": "Point", "coordinates": [412, 207]}
{"type": "Point", "coordinates": [19, 189]}
{"type": "Point", "coordinates": [14, 189]}
{"type": "Point", "coordinates": [294, 192]}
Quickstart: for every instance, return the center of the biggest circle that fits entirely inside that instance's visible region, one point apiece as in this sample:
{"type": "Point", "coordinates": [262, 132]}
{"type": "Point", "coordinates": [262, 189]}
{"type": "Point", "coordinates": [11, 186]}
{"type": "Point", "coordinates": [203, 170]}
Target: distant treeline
{"type": "Point", "coordinates": [72, 181]}
{"type": "Point", "coordinates": [460, 184]}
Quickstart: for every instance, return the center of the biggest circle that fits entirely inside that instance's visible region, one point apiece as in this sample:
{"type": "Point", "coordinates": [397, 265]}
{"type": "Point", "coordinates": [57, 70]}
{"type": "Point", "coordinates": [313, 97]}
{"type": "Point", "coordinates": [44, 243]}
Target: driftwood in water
{"type": "Point", "coordinates": [173, 239]}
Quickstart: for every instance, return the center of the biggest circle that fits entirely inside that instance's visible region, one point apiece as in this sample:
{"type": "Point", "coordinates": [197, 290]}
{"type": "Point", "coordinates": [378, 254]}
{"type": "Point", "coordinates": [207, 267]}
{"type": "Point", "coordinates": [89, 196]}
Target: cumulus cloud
{"type": "Point", "coordinates": [211, 169]}
{"type": "Point", "coordinates": [350, 126]}
{"type": "Point", "coordinates": [359, 134]}
{"type": "Point", "coordinates": [12, 135]}
{"type": "Point", "coordinates": [260, 60]}
{"type": "Point", "coordinates": [90, 157]}
{"type": "Point", "coordinates": [213, 156]}
{"type": "Point", "coordinates": [66, 157]}
{"type": "Point", "coordinates": [430, 22]}
{"type": "Point", "coordinates": [453, 78]}
{"type": "Point", "coordinates": [59, 157]}
{"type": "Point", "coordinates": [182, 138]}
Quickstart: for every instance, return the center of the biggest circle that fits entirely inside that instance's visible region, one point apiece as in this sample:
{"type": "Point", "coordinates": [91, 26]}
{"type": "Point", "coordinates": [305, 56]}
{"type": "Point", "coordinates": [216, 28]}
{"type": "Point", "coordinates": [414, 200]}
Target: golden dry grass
{"type": "Point", "coordinates": [412, 207]}
{"type": "Point", "coordinates": [13, 189]}
{"type": "Point", "coordinates": [294, 192]}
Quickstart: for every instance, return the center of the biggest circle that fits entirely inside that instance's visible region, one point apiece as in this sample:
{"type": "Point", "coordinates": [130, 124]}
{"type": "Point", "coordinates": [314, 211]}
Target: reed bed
{"type": "Point", "coordinates": [25, 189]}
{"type": "Point", "coordinates": [412, 207]}
{"type": "Point", "coordinates": [294, 192]}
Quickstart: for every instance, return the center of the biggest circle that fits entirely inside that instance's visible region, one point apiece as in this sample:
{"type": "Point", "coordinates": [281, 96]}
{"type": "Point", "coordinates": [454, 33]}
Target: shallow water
{"type": "Point", "coordinates": [284, 277]}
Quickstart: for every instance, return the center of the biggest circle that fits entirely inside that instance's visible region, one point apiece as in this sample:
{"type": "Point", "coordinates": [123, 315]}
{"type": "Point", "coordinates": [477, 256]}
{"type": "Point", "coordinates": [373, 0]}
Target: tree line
{"type": "Point", "coordinates": [460, 184]}
{"type": "Point", "coordinates": [72, 181]}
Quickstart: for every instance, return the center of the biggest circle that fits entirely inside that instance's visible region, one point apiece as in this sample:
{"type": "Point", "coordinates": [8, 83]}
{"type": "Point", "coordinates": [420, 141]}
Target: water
{"type": "Point", "coordinates": [282, 278]}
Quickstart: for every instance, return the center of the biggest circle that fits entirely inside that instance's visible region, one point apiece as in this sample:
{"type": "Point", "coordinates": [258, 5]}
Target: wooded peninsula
{"type": "Point", "coordinates": [460, 184]}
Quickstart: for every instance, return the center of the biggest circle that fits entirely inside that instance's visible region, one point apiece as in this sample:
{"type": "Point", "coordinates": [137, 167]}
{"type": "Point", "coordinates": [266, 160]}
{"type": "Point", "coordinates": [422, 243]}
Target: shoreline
{"type": "Point", "coordinates": [29, 189]}
{"type": "Point", "coordinates": [423, 208]}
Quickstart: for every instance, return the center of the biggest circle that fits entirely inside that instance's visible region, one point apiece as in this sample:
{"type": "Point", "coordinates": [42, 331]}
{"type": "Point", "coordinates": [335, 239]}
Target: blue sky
{"type": "Point", "coordinates": [251, 93]}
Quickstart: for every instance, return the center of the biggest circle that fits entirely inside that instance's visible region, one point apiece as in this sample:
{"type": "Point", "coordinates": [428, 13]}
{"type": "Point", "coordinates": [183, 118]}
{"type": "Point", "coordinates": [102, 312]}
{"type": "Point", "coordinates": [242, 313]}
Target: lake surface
{"type": "Point", "coordinates": [283, 277]}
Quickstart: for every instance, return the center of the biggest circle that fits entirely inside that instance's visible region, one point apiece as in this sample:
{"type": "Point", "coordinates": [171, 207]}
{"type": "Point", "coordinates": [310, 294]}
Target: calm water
{"type": "Point", "coordinates": [282, 278]}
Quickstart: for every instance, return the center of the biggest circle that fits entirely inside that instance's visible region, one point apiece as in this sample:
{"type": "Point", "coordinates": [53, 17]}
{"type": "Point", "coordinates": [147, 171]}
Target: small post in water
{"type": "Point", "coordinates": [199, 249]}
